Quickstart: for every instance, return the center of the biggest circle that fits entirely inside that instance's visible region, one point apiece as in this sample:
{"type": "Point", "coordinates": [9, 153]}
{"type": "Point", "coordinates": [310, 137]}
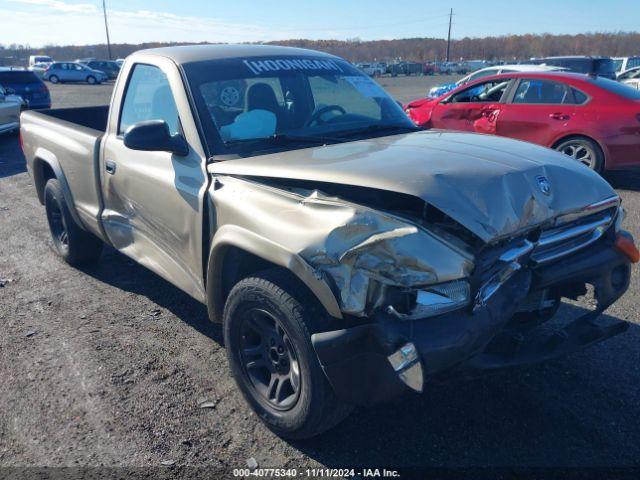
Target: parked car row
{"type": "Point", "coordinates": [403, 67]}
{"type": "Point", "coordinates": [593, 119]}
{"type": "Point", "coordinates": [89, 70]}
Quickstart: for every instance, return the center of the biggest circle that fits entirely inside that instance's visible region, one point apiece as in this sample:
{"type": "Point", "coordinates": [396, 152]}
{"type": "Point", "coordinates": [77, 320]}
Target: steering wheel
{"type": "Point", "coordinates": [316, 117]}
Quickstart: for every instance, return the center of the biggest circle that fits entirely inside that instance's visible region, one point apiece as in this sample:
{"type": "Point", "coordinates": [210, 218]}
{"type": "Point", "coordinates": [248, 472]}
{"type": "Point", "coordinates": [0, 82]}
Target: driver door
{"type": "Point", "coordinates": [154, 200]}
{"type": "Point", "coordinates": [473, 109]}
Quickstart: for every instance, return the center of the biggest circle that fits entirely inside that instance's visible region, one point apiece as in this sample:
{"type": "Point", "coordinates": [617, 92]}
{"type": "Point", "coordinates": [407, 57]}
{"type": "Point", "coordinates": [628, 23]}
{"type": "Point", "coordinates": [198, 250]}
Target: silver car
{"type": "Point", "coordinates": [10, 106]}
{"type": "Point", "coordinates": [73, 72]}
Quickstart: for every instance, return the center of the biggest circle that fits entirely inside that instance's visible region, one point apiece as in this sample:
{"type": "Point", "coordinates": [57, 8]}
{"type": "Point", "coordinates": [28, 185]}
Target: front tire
{"type": "Point", "coordinates": [54, 79]}
{"type": "Point", "coordinates": [91, 80]}
{"type": "Point", "coordinates": [268, 324]}
{"type": "Point", "coordinates": [75, 245]}
{"type": "Point", "coordinates": [584, 150]}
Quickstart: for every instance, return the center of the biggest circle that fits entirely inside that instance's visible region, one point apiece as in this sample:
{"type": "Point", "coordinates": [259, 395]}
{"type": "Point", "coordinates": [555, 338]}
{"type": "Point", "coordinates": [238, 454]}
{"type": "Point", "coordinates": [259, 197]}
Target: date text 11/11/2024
{"type": "Point", "coordinates": [316, 473]}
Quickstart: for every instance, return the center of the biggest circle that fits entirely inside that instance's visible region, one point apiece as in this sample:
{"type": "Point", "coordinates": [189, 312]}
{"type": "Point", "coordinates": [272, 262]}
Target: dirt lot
{"type": "Point", "coordinates": [108, 366]}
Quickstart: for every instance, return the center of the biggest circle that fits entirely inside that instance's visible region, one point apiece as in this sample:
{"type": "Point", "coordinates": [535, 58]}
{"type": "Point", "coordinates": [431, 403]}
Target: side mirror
{"type": "Point", "coordinates": [154, 136]}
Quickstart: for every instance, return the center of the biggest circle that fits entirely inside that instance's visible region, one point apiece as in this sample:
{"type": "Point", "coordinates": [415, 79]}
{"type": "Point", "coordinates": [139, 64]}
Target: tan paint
{"type": "Point", "coordinates": [359, 250]}
{"type": "Point", "coordinates": [488, 184]}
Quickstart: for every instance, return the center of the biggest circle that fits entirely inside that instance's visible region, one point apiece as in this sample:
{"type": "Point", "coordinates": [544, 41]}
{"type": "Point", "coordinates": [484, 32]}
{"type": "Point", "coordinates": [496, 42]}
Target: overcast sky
{"type": "Point", "coordinates": [63, 22]}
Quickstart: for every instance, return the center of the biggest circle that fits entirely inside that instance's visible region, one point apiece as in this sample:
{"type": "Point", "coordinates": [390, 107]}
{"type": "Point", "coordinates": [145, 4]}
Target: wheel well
{"type": "Point", "coordinates": [42, 172]}
{"type": "Point", "coordinates": [234, 264]}
{"type": "Point", "coordinates": [585, 137]}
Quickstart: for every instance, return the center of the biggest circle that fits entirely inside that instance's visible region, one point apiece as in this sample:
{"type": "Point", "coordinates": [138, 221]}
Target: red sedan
{"type": "Point", "coordinates": [592, 119]}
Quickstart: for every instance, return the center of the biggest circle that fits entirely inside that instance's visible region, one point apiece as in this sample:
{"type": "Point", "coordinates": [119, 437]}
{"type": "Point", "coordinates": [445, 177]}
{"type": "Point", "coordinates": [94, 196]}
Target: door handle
{"type": "Point", "coordinates": [560, 116]}
{"type": "Point", "coordinates": [110, 167]}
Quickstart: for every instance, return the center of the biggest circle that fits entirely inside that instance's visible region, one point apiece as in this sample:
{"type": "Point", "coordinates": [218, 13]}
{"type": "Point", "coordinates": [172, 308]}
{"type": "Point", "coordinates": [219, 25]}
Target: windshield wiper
{"type": "Point", "coordinates": [285, 139]}
{"type": "Point", "coordinates": [376, 128]}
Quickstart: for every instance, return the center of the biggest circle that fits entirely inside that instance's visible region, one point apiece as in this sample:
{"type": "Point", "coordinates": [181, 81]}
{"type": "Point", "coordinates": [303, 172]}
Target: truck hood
{"type": "Point", "coordinates": [493, 186]}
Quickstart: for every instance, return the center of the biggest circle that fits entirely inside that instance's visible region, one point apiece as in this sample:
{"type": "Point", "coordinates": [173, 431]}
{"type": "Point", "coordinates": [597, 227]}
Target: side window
{"type": "Point", "coordinates": [148, 97]}
{"type": "Point", "coordinates": [541, 92]}
{"type": "Point", "coordinates": [484, 73]}
{"type": "Point", "coordinates": [491, 91]}
{"type": "Point", "coordinates": [579, 97]}
{"type": "Point", "coordinates": [633, 62]}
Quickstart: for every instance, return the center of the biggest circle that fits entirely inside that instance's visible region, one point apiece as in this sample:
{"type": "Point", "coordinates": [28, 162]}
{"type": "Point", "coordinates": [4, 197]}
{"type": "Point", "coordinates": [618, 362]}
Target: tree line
{"type": "Point", "coordinates": [511, 47]}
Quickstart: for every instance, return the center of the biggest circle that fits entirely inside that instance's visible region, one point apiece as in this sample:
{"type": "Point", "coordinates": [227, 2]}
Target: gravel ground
{"type": "Point", "coordinates": [108, 366]}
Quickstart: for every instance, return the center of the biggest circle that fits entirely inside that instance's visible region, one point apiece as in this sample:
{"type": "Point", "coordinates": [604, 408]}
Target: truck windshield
{"type": "Point", "coordinates": [249, 105]}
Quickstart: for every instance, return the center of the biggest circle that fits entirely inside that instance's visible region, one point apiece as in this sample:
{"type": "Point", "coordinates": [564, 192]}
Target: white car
{"type": "Point", "coordinates": [39, 68]}
{"type": "Point", "coordinates": [631, 77]}
{"type": "Point", "coordinates": [10, 106]}
{"type": "Point", "coordinates": [487, 72]}
{"type": "Point", "coordinates": [40, 59]}
{"type": "Point", "coordinates": [624, 64]}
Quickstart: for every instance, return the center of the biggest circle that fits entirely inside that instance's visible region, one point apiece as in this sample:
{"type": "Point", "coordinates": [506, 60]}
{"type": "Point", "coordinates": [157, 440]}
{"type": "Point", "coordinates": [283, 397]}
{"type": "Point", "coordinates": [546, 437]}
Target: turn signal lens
{"type": "Point", "coordinates": [624, 243]}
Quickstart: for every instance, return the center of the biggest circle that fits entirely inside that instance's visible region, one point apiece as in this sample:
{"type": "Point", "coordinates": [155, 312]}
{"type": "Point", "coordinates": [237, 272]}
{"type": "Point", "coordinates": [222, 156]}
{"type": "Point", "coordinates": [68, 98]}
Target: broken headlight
{"type": "Point", "coordinates": [435, 300]}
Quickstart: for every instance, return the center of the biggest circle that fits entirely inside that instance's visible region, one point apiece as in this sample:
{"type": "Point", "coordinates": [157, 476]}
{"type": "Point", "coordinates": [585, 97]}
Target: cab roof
{"type": "Point", "coordinates": [198, 53]}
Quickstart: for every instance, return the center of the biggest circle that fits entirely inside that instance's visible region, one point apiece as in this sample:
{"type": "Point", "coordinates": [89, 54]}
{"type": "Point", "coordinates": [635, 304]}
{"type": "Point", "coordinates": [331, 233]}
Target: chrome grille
{"type": "Point", "coordinates": [565, 239]}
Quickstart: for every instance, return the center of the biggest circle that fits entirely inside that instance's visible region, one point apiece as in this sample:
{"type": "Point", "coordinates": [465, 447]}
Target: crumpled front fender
{"type": "Point", "coordinates": [356, 251]}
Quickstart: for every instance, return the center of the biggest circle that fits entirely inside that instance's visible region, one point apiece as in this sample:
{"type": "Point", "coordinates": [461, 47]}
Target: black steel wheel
{"type": "Point", "coordinates": [268, 323]}
{"type": "Point", "coordinates": [269, 359]}
{"type": "Point", "coordinates": [74, 244]}
{"type": "Point", "coordinates": [57, 225]}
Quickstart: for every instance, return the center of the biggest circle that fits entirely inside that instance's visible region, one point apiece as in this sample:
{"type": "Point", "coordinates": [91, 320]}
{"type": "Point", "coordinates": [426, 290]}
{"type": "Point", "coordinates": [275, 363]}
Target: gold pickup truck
{"type": "Point", "coordinates": [349, 255]}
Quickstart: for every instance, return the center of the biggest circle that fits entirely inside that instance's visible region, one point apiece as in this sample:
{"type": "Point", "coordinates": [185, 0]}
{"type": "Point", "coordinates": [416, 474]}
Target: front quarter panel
{"type": "Point", "coordinates": [347, 254]}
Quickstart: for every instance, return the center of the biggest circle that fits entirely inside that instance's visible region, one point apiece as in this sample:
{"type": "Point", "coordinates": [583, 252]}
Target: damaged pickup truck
{"type": "Point", "coordinates": [349, 256]}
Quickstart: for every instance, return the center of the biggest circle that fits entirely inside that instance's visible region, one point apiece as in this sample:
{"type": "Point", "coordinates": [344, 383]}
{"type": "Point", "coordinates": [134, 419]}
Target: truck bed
{"type": "Point", "coordinates": [69, 140]}
{"type": "Point", "coordinates": [94, 118]}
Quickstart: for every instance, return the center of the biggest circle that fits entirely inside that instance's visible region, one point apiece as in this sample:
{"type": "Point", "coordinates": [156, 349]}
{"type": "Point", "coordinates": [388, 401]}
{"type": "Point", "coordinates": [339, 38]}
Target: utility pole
{"type": "Point", "coordinates": [106, 27]}
{"type": "Point", "coordinates": [449, 36]}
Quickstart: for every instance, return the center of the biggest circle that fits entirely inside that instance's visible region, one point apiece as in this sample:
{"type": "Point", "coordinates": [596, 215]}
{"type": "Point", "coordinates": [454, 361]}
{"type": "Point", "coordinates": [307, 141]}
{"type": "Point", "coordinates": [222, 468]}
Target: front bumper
{"type": "Point", "coordinates": [358, 361]}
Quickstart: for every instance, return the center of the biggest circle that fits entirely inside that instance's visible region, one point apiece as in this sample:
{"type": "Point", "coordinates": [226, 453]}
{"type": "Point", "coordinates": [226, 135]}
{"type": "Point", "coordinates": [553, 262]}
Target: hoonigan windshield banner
{"type": "Point", "coordinates": [258, 67]}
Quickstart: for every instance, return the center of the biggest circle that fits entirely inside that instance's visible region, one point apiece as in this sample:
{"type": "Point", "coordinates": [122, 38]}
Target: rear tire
{"type": "Point", "coordinates": [584, 150]}
{"type": "Point", "coordinates": [54, 79]}
{"type": "Point", "coordinates": [75, 245]}
{"type": "Point", "coordinates": [268, 323]}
